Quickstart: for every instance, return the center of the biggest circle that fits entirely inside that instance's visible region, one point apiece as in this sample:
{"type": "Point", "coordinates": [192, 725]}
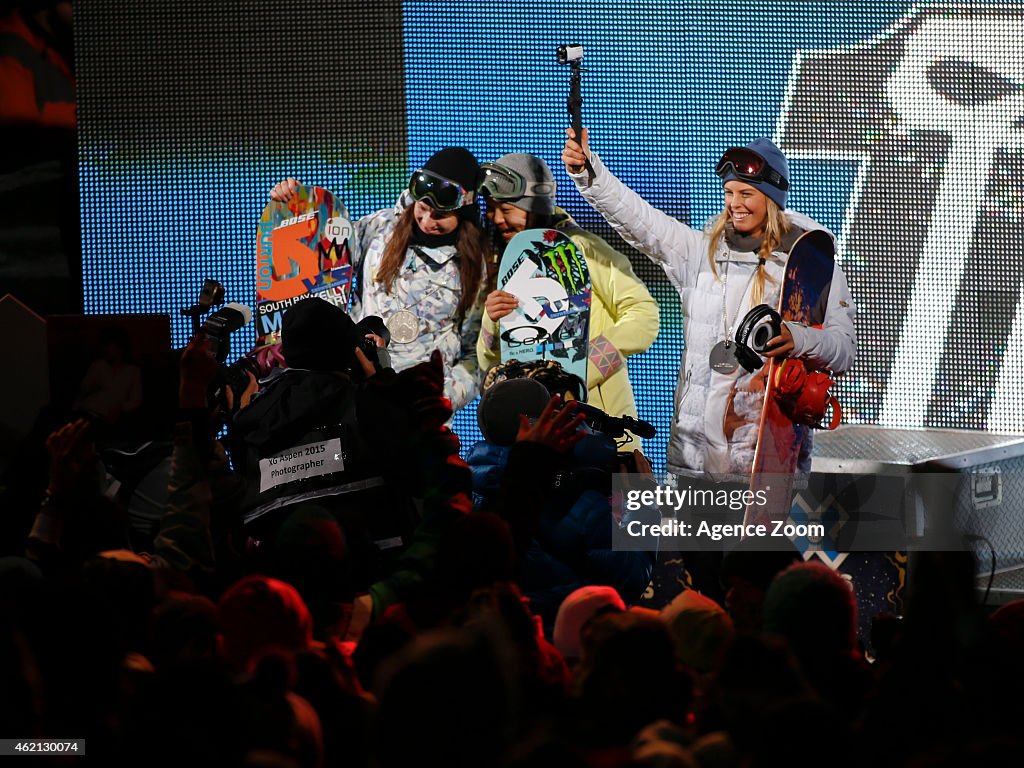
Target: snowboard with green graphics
{"type": "Point", "coordinates": [303, 249]}
{"type": "Point", "coordinates": [547, 273]}
{"type": "Point", "coordinates": [803, 299]}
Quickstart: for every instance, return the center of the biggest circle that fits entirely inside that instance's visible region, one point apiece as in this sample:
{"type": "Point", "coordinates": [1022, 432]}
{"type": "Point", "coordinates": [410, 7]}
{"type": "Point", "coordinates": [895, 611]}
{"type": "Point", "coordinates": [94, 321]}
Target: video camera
{"type": "Point", "coordinates": [569, 53]}
{"type": "Point", "coordinates": [218, 328]}
{"type": "Point", "coordinates": [221, 324]}
{"type": "Point", "coordinates": [379, 356]}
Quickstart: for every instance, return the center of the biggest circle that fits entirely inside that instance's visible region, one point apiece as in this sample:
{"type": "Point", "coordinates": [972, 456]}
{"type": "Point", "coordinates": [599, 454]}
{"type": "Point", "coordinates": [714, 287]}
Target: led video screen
{"type": "Point", "coordinates": [901, 121]}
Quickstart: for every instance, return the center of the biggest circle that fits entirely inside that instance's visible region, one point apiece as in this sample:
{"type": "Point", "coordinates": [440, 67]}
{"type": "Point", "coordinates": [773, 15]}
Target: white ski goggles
{"type": "Point", "coordinates": [503, 183]}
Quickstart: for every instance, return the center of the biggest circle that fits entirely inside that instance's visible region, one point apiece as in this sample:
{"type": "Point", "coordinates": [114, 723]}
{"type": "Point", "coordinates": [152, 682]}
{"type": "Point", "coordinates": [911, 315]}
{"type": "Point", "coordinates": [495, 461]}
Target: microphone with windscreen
{"type": "Point", "coordinates": [614, 426]}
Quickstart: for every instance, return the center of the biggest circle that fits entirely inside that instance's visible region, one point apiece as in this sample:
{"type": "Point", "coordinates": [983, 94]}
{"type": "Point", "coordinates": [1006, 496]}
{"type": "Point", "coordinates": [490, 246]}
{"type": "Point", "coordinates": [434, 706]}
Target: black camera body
{"type": "Point", "coordinates": [219, 326]}
{"type": "Point", "coordinates": [236, 375]}
{"type": "Point", "coordinates": [379, 356]}
{"type": "Point", "coordinates": [370, 349]}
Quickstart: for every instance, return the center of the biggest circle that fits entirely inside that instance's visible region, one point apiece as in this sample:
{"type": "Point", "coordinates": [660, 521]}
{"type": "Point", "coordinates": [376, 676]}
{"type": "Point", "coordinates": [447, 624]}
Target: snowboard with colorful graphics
{"type": "Point", "coordinates": [547, 273]}
{"type": "Point", "coordinates": [303, 249]}
{"type": "Point", "coordinates": [803, 300]}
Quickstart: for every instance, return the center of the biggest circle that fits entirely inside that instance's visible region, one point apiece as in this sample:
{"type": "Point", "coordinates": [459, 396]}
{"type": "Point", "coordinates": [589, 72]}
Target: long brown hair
{"type": "Point", "coordinates": [775, 226]}
{"type": "Point", "coordinates": [469, 245]}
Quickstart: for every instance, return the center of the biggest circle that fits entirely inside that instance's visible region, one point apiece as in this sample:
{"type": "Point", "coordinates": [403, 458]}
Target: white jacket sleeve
{"type": "Point", "coordinates": [834, 345]}
{"type": "Point", "coordinates": [665, 240]}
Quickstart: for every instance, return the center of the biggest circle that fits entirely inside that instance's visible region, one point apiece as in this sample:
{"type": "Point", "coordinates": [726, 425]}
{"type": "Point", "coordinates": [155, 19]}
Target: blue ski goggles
{"type": "Point", "coordinates": [503, 183]}
{"type": "Point", "coordinates": [438, 192]}
{"type": "Point", "coordinates": [749, 166]}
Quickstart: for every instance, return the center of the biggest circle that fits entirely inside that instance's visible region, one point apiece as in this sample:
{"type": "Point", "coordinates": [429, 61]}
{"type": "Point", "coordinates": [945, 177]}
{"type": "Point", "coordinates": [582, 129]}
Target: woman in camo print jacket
{"type": "Point", "coordinates": [422, 269]}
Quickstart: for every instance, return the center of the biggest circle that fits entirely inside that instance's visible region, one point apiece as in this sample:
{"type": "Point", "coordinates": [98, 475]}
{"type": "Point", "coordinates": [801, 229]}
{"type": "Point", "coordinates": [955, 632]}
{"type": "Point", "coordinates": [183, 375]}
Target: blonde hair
{"type": "Point", "coordinates": [775, 226]}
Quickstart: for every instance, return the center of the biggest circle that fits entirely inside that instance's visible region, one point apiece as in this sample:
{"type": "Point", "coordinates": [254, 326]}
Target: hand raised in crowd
{"type": "Point", "coordinates": [641, 464]}
{"type": "Point", "coordinates": [245, 396]}
{"type": "Point", "coordinates": [573, 155]}
{"type": "Point", "coordinates": [558, 426]}
{"type": "Point", "coordinates": [72, 456]}
{"type": "Point", "coordinates": [283, 191]}
{"type": "Point", "coordinates": [368, 368]}
{"type": "Point", "coordinates": [198, 367]}
{"type": "Point", "coordinates": [419, 389]}
{"type": "Point", "coordinates": [635, 471]}
{"type": "Point", "coordinates": [499, 304]}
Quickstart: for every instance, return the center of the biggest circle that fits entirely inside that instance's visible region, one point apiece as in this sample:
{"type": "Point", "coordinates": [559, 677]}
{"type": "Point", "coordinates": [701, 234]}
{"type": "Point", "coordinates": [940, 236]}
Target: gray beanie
{"type": "Point", "coordinates": [532, 169]}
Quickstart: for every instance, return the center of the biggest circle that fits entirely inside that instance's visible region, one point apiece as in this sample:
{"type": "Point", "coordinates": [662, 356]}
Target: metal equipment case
{"type": "Point", "coordinates": [949, 489]}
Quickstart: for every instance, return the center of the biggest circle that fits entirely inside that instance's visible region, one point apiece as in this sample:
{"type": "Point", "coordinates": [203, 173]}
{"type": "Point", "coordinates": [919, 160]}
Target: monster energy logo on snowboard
{"type": "Point", "coordinates": [545, 270]}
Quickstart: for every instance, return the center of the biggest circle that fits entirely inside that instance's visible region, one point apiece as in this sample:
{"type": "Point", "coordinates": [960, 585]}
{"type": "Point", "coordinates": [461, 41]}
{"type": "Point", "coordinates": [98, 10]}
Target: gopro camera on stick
{"type": "Point", "coordinates": [211, 295]}
{"type": "Point", "coordinates": [569, 53]}
{"type": "Point", "coordinates": [573, 56]}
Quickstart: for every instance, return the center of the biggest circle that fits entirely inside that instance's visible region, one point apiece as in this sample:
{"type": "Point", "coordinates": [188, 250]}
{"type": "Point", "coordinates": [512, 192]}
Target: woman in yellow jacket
{"type": "Point", "coordinates": [520, 194]}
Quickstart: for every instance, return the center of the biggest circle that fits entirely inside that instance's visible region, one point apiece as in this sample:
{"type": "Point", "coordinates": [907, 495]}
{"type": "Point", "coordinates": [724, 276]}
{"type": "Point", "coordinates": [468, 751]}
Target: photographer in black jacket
{"type": "Point", "coordinates": [336, 431]}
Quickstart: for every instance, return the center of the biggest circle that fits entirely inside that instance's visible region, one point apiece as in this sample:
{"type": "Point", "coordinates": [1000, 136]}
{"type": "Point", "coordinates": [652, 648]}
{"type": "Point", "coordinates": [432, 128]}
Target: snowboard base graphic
{"type": "Point", "coordinates": [545, 270]}
{"type": "Point", "coordinates": [303, 249]}
{"type": "Point", "coordinates": [803, 299]}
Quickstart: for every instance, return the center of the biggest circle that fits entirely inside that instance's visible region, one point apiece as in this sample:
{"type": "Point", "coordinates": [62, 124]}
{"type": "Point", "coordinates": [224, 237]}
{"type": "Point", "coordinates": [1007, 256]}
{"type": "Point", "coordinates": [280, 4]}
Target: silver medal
{"type": "Point", "coordinates": [404, 326]}
{"type": "Point", "coordinates": [723, 357]}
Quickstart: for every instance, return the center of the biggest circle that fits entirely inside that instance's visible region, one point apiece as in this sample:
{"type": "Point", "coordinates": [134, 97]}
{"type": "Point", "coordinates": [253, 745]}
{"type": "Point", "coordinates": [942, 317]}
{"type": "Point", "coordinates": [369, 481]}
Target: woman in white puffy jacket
{"type": "Point", "coordinates": [737, 262]}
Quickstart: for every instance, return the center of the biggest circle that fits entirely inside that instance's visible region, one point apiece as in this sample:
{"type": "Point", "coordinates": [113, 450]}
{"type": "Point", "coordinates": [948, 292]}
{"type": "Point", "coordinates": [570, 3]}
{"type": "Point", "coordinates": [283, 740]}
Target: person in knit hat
{"type": "Point", "coordinates": [575, 611]}
{"type": "Point", "coordinates": [259, 614]}
{"type": "Point", "coordinates": [735, 263]}
{"type": "Point", "coordinates": [304, 329]}
{"type": "Point", "coordinates": [519, 190]}
{"type": "Point", "coordinates": [421, 268]}
{"type": "Point", "coordinates": [701, 631]}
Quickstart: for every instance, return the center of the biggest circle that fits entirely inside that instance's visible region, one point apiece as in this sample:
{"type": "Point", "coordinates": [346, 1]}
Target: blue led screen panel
{"type": "Point", "coordinates": [901, 122]}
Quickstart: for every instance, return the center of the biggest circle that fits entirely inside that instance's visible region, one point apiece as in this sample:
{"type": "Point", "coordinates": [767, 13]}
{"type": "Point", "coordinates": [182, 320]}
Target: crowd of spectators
{"type": "Point", "coordinates": [296, 642]}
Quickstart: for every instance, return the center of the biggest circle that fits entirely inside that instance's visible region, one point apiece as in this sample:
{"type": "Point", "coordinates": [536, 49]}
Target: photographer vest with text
{"type": "Point", "coordinates": [311, 439]}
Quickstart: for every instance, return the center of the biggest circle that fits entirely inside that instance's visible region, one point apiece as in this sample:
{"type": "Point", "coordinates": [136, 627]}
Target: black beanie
{"type": "Point", "coordinates": [500, 407]}
{"type": "Point", "coordinates": [318, 335]}
{"type": "Point", "coordinates": [455, 164]}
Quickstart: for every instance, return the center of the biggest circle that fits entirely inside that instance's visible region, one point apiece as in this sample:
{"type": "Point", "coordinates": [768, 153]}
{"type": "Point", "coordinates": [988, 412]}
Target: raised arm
{"type": "Point", "coordinates": [665, 240]}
